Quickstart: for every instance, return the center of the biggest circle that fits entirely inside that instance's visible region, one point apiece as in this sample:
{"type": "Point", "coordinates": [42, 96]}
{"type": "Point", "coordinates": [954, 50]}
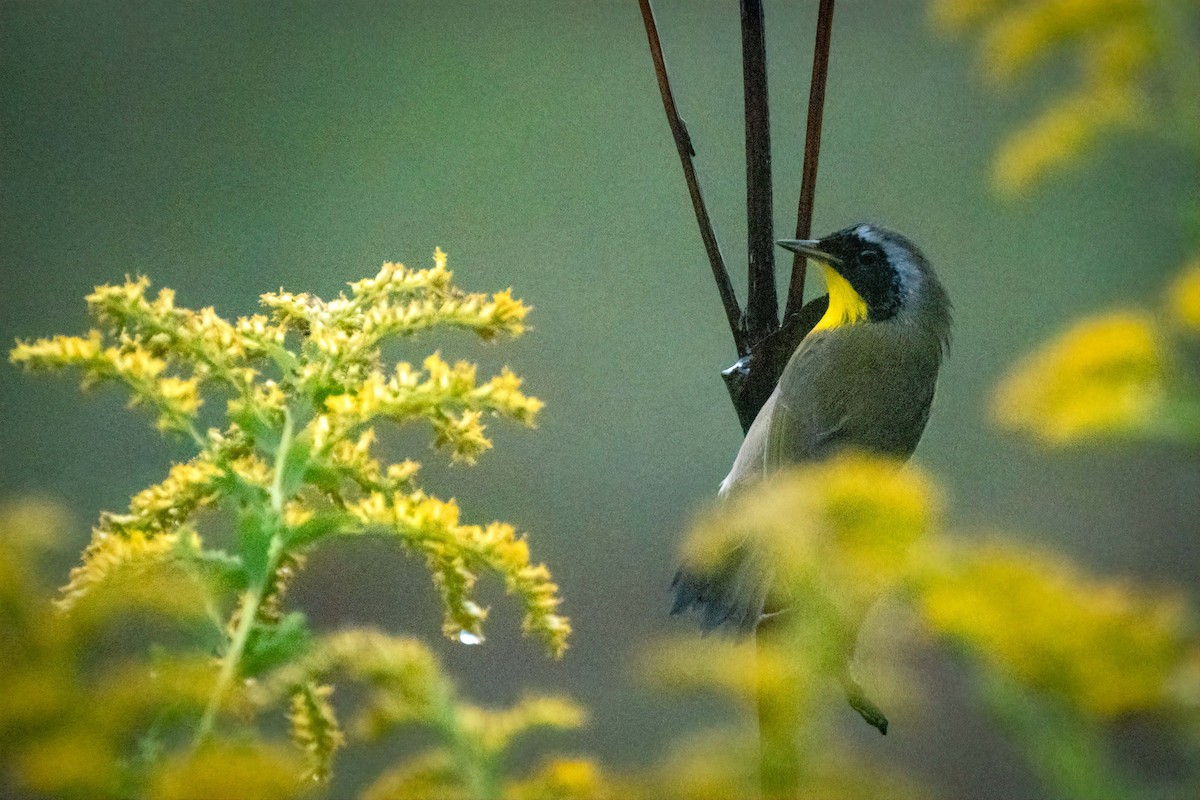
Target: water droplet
{"type": "Point", "coordinates": [466, 637]}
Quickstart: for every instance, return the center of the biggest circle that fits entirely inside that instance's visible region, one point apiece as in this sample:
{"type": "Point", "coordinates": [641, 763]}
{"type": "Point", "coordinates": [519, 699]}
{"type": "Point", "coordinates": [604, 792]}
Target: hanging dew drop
{"type": "Point", "coordinates": [466, 637]}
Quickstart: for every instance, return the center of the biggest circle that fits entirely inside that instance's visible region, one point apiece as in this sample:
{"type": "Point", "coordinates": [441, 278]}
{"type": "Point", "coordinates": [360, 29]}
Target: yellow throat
{"type": "Point", "coordinates": [846, 306]}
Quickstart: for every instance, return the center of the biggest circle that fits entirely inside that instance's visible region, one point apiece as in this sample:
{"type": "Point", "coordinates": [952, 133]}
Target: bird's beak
{"type": "Point", "coordinates": [810, 248]}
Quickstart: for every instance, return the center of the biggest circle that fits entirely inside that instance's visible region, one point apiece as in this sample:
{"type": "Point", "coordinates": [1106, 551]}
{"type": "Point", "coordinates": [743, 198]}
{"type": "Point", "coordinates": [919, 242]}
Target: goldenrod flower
{"type": "Point", "coordinates": [1063, 133]}
{"type": "Point", "coordinates": [167, 356]}
{"type": "Point", "coordinates": [1094, 643]}
{"type": "Point", "coordinates": [1104, 376]}
{"type": "Point", "coordinates": [846, 526]}
{"type": "Point", "coordinates": [1119, 48]}
{"type": "Point", "coordinates": [315, 729]}
{"type": "Point", "coordinates": [1183, 299]}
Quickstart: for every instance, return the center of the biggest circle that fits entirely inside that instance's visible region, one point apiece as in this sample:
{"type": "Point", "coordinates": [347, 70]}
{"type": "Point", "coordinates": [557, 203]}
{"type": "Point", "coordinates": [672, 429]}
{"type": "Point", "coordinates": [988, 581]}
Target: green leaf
{"type": "Point", "coordinates": [255, 528]}
{"type": "Point", "coordinates": [321, 525]}
{"type": "Point", "coordinates": [270, 646]}
{"type": "Point", "coordinates": [259, 427]}
{"type": "Point", "coordinates": [222, 569]}
{"type": "Point", "coordinates": [294, 467]}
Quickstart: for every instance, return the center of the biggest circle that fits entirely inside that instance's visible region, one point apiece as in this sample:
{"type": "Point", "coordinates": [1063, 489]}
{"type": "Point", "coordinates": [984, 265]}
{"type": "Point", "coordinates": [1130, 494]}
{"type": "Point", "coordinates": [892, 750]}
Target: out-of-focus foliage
{"type": "Point", "coordinates": [1053, 648]}
{"type": "Point", "coordinates": [80, 718]}
{"type": "Point", "coordinates": [1126, 375]}
{"type": "Point", "coordinates": [303, 388]}
{"type": "Point", "coordinates": [407, 687]}
{"type": "Point", "coordinates": [1101, 646]}
{"type": "Point", "coordinates": [1134, 71]}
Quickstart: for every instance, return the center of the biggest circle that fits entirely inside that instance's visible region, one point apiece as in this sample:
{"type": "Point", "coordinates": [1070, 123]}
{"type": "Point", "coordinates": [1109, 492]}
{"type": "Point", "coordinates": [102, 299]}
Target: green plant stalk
{"type": "Point", "coordinates": [248, 611]}
{"type": "Point", "coordinates": [475, 767]}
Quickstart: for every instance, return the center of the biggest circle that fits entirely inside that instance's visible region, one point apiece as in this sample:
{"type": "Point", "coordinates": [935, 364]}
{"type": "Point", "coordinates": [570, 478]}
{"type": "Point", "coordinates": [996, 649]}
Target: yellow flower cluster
{"type": "Point", "coordinates": [406, 686]}
{"type": "Point", "coordinates": [447, 396]}
{"type": "Point", "coordinates": [1060, 135]}
{"type": "Point", "coordinates": [315, 729]}
{"type": "Point", "coordinates": [68, 708]}
{"type": "Point", "coordinates": [248, 770]}
{"type": "Point", "coordinates": [176, 399]}
{"type": "Point", "coordinates": [1115, 375]}
{"type": "Point", "coordinates": [165, 506]}
{"type": "Point", "coordinates": [342, 335]}
{"type": "Point", "coordinates": [845, 527]}
{"type": "Point", "coordinates": [307, 383]}
{"type": "Point", "coordinates": [564, 779]}
{"type": "Point", "coordinates": [737, 668]}
{"type": "Point", "coordinates": [125, 553]}
{"type": "Point", "coordinates": [1093, 643]}
{"type": "Point", "coordinates": [1183, 299]}
{"type": "Point", "coordinates": [456, 552]}
{"type": "Point", "coordinates": [494, 730]}
{"type": "Point", "coordinates": [1103, 376]}
{"type": "Point", "coordinates": [1119, 46]}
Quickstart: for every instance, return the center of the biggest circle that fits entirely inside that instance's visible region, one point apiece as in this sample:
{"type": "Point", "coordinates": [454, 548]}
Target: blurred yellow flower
{"type": "Point", "coordinates": [1106, 375]}
{"type": "Point", "coordinates": [247, 771]}
{"type": "Point", "coordinates": [1183, 299]}
{"type": "Point", "coordinates": [1120, 48]}
{"type": "Point", "coordinates": [1059, 135]}
{"type": "Point", "coordinates": [1095, 643]}
{"type": "Point", "coordinates": [846, 526]}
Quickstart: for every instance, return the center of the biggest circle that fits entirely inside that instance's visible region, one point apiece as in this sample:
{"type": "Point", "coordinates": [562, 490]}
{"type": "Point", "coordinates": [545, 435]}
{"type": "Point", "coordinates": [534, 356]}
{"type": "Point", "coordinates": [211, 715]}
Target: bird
{"type": "Point", "coordinates": [863, 379]}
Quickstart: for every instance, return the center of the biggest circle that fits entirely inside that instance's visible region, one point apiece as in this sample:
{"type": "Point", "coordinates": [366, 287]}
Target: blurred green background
{"type": "Point", "coordinates": [230, 148]}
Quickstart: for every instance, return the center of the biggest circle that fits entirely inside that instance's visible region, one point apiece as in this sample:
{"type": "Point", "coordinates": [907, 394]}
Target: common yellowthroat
{"type": "Point", "coordinates": [863, 378]}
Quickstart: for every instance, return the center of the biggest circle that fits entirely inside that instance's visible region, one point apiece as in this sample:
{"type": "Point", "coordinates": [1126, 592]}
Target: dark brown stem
{"type": "Point", "coordinates": [683, 144]}
{"type": "Point", "coordinates": [812, 152]}
{"type": "Point", "coordinates": [762, 309]}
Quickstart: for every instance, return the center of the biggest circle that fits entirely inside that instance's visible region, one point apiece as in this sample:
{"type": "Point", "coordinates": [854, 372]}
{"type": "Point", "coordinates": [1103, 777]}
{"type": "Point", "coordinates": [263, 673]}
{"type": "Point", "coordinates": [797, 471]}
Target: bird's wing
{"type": "Point", "coordinates": [864, 392]}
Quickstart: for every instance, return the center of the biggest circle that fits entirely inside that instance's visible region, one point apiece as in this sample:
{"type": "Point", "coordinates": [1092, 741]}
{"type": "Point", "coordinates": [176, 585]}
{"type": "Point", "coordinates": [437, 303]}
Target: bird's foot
{"type": "Point", "coordinates": [861, 703]}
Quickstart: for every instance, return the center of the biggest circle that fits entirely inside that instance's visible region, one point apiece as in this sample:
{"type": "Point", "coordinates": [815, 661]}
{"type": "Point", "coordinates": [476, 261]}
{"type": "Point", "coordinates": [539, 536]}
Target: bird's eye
{"type": "Point", "coordinates": [868, 258]}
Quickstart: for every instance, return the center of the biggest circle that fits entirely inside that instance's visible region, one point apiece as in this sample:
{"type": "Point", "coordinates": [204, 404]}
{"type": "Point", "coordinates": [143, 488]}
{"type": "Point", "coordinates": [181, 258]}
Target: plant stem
{"type": "Point", "coordinates": [762, 307]}
{"type": "Point", "coordinates": [779, 719]}
{"type": "Point", "coordinates": [812, 153]}
{"type": "Point", "coordinates": [683, 144]}
{"type": "Point", "coordinates": [247, 613]}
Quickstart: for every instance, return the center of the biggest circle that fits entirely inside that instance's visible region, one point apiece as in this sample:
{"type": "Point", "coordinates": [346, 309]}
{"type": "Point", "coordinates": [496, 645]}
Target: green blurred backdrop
{"type": "Point", "coordinates": [230, 148]}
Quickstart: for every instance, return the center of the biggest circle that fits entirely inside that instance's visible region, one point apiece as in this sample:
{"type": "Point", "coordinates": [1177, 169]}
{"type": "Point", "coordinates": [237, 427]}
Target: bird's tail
{"type": "Point", "coordinates": [731, 593]}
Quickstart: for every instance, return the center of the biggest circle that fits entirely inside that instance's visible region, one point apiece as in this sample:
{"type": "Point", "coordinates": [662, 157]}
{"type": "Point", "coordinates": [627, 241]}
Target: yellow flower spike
{"type": "Point", "coordinates": [1025, 33]}
{"type": "Point", "coordinates": [1104, 376]}
{"type": "Point", "coordinates": [439, 258]}
{"type": "Point", "coordinates": [181, 394]}
{"type": "Point", "coordinates": [315, 729]}
{"type": "Point", "coordinates": [1059, 136]}
{"type": "Point", "coordinates": [345, 404]}
{"type": "Point", "coordinates": [246, 770]}
{"type": "Point", "coordinates": [110, 553]}
{"type": "Point", "coordinates": [432, 526]}
{"type": "Point", "coordinates": [59, 351]}
{"type": "Point", "coordinates": [252, 470]}
{"type": "Point", "coordinates": [1093, 643]}
{"type": "Point", "coordinates": [296, 513]}
{"type": "Point", "coordinates": [1183, 298]}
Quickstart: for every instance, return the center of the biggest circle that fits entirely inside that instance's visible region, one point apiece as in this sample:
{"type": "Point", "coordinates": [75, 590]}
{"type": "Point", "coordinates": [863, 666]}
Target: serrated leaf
{"type": "Point", "coordinates": [225, 570]}
{"type": "Point", "coordinates": [270, 646]}
{"type": "Point", "coordinates": [255, 527]}
{"type": "Point", "coordinates": [258, 426]}
{"type": "Point", "coordinates": [294, 467]}
{"type": "Point", "coordinates": [318, 527]}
